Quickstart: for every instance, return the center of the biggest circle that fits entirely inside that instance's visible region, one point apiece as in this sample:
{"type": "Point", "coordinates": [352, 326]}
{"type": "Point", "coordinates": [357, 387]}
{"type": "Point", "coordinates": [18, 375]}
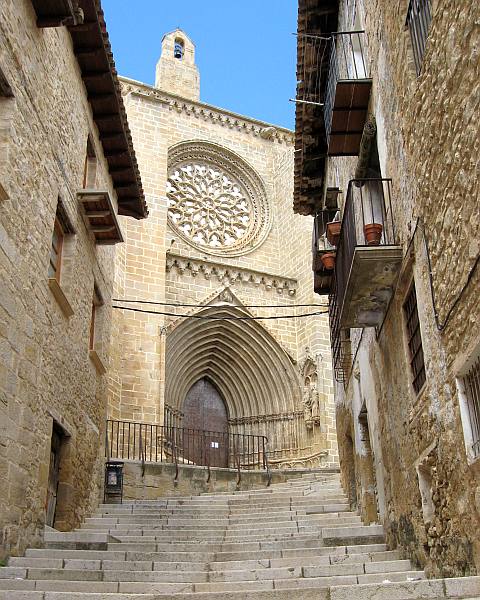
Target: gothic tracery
{"type": "Point", "coordinates": [217, 202]}
{"type": "Point", "coordinates": [208, 205]}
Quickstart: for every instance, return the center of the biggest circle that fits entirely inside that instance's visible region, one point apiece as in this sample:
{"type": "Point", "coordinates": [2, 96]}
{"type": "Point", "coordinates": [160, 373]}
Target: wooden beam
{"type": "Point", "coordinates": [96, 214]}
{"type": "Point", "coordinates": [89, 52]}
{"type": "Point", "coordinates": [102, 228]}
{"type": "Point", "coordinates": [110, 137]}
{"type": "Point", "coordinates": [116, 154]}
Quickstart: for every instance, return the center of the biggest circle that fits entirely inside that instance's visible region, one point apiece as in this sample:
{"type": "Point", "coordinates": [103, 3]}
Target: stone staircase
{"type": "Point", "coordinates": [296, 540]}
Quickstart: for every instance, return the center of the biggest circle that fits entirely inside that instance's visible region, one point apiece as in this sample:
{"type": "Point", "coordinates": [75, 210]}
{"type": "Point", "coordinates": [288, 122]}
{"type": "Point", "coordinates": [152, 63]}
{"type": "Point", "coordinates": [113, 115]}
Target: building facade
{"type": "Point", "coordinates": [66, 172]}
{"type": "Point", "coordinates": [219, 188]}
{"type": "Point", "coordinates": [387, 140]}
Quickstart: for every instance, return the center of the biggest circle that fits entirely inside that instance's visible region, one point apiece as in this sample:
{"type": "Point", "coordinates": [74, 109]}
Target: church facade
{"type": "Point", "coordinates": [220, 254]}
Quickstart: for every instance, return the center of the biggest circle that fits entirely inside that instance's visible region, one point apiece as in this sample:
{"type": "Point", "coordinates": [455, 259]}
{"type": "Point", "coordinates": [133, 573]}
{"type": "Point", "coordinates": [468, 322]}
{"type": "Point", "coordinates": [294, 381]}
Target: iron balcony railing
{"type": "Point", "coordinates": [419, 17]}
{"type": "Point", "coordinates": [148, 442]}
{"type": "Point", "coordinates": [348, 62]}
{"type": "Point", "coordinates": [368, 201]}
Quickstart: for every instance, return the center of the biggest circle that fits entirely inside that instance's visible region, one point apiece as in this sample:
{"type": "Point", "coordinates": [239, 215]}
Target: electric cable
{"type": "Point", "coordinates": [180, 304]}
{"type": "Point", "coordinates": [217, 317]}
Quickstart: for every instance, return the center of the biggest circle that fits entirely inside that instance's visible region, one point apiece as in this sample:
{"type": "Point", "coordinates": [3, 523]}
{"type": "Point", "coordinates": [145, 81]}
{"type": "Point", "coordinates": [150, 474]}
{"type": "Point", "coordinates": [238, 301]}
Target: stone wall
{"type": "Point", "coordinates": [158, 480]}
{"type": "Point", "coordinates": [428, 138]}
{"type": "Point", "coordinates": [45, 371]}
{"type": "Point", "coordinates": [161, 265]}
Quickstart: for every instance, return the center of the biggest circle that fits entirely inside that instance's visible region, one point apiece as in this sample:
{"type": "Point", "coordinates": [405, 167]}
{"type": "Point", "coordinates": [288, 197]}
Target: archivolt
{"type": "Point", "coordinates": [252, 372]}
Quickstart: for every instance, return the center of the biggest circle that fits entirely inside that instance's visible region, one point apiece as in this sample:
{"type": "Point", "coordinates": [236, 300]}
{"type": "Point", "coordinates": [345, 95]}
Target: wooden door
{"type": "Point", "coordinates": [53, 477]}
{"type": "Point", "coordinates": [205, 412]}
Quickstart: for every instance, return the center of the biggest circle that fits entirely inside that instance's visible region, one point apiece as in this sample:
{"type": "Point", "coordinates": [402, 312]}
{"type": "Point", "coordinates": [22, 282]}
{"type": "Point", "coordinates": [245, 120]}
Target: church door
{"type": "Point", "coordinates": [205, 412]}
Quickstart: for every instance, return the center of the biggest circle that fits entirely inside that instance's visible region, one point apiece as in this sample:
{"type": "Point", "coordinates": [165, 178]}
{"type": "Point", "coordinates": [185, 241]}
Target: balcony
{"type": "Point", "coordinates": [348, 93]}
{"type": "Point", "coordinates": [367, 262]}
{"type": "Point", "coordinates": [320, 247]}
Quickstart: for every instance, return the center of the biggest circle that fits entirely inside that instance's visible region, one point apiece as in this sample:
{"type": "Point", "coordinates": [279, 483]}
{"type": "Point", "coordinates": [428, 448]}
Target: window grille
{"type": "Point", "coordinates": [472, 389]}
{"type": "Point", "coordinates": [419, 17]}
{"type": "Point", "coordinates": [417, 363]}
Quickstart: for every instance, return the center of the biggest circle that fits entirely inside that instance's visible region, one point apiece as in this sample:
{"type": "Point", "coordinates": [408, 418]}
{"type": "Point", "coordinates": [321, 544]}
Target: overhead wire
{"type": "Point", "coordinates": [187, 305]}
{"type": "Point", "coordinates": [219, 317]}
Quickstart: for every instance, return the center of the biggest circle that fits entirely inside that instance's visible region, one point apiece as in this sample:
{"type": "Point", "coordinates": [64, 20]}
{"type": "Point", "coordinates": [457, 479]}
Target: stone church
{"type": "Point", "coordinates": [220, 254]}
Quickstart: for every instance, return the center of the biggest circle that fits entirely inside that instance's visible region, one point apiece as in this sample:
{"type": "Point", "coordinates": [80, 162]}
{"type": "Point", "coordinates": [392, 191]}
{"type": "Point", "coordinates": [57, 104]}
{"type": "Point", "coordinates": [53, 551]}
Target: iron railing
{"type": "Point", "coordinates": [348, 62]}
{"type": "Point", "coordinates": [419, 17]}
{"type": "Point", "coordinates": [368, 201]}
{"type": "Point", "coordinates": [148, 442]}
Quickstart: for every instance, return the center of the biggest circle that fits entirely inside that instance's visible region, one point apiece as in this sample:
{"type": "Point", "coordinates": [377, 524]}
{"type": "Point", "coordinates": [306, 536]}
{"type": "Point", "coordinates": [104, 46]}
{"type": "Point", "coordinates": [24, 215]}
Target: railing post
{"type": "Point", "coordinates": [174, 450]}
{"type": "Point", "coordinates": [208, 463]}
{"type": "Point", "coordinates": [265, 458]}
{"type": "Point", "coordinates": [142, 451]}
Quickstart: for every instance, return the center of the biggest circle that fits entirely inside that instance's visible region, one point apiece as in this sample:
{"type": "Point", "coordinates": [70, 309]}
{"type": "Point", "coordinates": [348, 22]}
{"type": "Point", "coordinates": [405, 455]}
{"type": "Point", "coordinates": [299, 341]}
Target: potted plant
{"type": "Point", "coordinates": [333, 232]}
{"type": "Point", "coordinates": [373, 233]}
{"type": "Point", "coordinates": [328, 260]}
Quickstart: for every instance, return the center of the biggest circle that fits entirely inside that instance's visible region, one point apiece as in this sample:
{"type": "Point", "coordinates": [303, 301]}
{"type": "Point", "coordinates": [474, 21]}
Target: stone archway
{"type": "Point", "coordinates": [250, 370]}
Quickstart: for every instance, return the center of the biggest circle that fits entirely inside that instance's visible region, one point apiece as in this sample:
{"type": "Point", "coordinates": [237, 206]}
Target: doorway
{"type": "Point", "coordinates": [56, 444]}
{"type": "Point", "coordinates": [205, 412]}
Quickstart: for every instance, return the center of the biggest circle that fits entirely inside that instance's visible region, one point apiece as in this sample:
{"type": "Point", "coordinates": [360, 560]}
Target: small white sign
{"type": "Point", "coordinates": [214, 445]}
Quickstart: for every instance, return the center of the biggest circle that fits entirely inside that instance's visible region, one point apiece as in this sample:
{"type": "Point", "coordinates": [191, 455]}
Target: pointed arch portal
{"type": "Point", "coordinates": [242, 361]}
{"type": "Point", "coordinates": [204, 409]}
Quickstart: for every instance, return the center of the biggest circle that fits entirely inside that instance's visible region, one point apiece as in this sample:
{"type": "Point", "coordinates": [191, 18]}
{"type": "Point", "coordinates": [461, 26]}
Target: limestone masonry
{"type": "Point", "coordinates": [396, 145]}
{"type": "Point", "coordinates": [219, 237]}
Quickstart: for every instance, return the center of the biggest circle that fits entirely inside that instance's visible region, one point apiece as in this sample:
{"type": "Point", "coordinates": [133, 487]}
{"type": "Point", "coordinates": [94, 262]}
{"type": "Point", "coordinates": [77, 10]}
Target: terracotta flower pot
{"type": "Point", "coordinates": [333, 232]}
{"type": "Point", "coordinates": [328, 260]}
{"type": "Point", "coordinates": [373, 233]}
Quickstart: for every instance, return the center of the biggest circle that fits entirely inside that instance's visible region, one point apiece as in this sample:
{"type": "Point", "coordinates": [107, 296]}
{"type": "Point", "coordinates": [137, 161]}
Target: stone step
{"type": "Point", "coordinates": [313, 507]}
{"type": "Point", "coordinates": [467, 588]}
{"type": "Point", "coordinates": [313, 567]}
{"type": "Point", "coordinates": [145, 571]}
{"type": "Point", "coordinates": [229, 520]}
{"type": "Point", "coordinates": [185, 546]}
{"type": "Point", "coordinates": [243, 530]}
{"type": "Point", "coordinates": [434, 589]}
{"type": "Point", "coordinates": [332, 554]}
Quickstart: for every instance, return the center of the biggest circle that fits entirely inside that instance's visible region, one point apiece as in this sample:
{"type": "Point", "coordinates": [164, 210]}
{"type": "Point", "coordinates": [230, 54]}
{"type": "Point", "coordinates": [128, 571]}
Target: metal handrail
{"type": "Point", "coordinates": [348, 62]}
{"type": "Point", "coordinates": [149, 442]}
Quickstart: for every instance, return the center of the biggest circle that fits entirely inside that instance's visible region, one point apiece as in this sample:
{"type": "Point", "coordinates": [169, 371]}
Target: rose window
{"type": "Point", "coordinates": [208, 206]}
{"type": "Point", "coordinates": [215, 201]}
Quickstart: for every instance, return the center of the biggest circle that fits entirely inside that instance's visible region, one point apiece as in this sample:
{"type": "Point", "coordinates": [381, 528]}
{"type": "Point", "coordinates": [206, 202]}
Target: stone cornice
{"type": "Point", "coordinates": [210, 113]}
{"type": "Point", "coordinates": [232, 273]}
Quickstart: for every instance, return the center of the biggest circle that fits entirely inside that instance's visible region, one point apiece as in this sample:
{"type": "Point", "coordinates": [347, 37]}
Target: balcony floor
{"type": "Point", "coordinates": [370, 285]}
{"type": "Point", "coordinates": [348, 116]}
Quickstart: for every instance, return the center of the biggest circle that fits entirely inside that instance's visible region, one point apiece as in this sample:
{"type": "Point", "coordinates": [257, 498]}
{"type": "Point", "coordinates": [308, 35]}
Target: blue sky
{"type": "Point", "coordinates": [245, 49]}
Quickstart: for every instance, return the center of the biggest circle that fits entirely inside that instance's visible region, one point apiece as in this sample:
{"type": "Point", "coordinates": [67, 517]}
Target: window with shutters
{"type": "Point", "coordinates": [468, 386]}
{"type": "Point", "coordinates": [419, 17]}
{"type": "Point", "coordinates": [414, 338]}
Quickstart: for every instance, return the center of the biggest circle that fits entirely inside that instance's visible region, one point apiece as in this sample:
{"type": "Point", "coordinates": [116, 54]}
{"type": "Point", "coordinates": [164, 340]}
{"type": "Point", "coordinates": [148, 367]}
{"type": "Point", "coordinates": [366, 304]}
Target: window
{"type": "Point", "coordinates": [96, 303]}
{"type": "Point", "coordinates": [90, 169]}
{"type": "Point", "coordinates": [415, 347]}
{"type": "Point", "coordinates": [56, 250]}
{"type": "Point", "coordinates": [472, 392]}
{"type": "Point", "coordinates": [61, 230]}
{"type": "Point", "coordinates": [469, 393]}
{"type": "Point", "coordinates": [179, 49]}
{"type": "Point", "coordinates": [419, 17]}
{"type": "Point", "coordinates": [7, 110]}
